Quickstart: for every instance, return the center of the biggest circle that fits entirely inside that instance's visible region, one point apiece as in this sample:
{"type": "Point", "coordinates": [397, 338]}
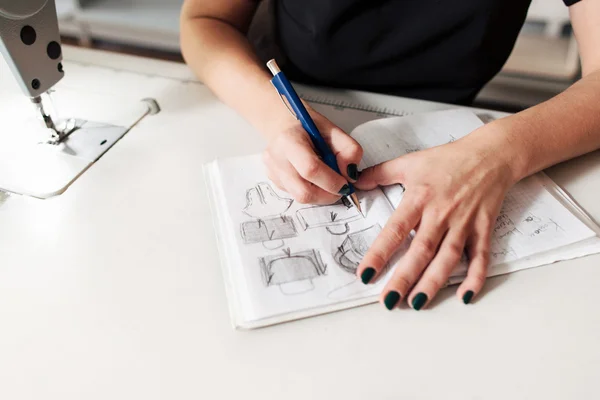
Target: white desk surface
{"type": "Point", "coordinates": [114, 291]}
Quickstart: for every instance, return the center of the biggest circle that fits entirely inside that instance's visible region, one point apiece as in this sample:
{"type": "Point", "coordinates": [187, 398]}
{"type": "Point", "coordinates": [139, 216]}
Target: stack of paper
{"type": "Point", "coordinates": [283, 260]}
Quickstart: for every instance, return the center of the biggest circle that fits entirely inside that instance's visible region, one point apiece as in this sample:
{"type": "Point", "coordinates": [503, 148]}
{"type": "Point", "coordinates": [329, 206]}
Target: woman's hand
{"type": "Point", "coordinates": [453, 195]}
{"type": "Point", "coordinates": [294, 167]}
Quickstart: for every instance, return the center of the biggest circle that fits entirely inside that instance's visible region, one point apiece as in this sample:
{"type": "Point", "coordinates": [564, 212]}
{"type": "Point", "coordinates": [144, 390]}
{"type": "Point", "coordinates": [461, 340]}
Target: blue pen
{"type": "Point", "coordinates": [294, 104]}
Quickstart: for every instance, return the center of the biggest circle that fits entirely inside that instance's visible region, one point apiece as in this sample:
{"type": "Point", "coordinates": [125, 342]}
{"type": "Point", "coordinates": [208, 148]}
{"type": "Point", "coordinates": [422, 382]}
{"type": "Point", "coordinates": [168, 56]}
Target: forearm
{"type": "Point", "coordinates": [224, 60]}
{"type": "Point", "coordinates": [559, 129]}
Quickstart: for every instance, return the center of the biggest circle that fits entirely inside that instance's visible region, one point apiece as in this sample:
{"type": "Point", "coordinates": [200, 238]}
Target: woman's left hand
{"type": "Point", "coordinates": [453, 195]}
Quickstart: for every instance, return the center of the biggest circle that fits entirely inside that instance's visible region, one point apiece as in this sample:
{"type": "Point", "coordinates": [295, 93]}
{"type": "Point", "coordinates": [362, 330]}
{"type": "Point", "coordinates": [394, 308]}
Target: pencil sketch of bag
{"type": "Point", "coordinates": [262, 201]}
{"type": "Point", "coordinates": [292, 272]}
{"type": "Point", "coordinates": [270, 232]}
{"type": "Point", "coordinates": [354, 248]}
{"type": "Point", "coordinates": [334, 217]}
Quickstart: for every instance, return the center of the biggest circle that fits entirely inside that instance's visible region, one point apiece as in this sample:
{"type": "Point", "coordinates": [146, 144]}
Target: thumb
{"type": "Point", "coordinates": [383, 174]}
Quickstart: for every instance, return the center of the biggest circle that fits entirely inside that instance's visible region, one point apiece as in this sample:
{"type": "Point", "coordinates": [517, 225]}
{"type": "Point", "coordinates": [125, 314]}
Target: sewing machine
{"type": "Point", "coordinates": [44, 159]}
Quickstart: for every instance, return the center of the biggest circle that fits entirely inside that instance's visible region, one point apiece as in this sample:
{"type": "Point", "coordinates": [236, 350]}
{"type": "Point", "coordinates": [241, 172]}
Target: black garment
{"type": "Point", "coordinates": [442, 50]}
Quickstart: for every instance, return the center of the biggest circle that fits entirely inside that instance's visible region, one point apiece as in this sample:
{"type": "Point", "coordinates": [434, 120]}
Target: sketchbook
{"type": "Point", "coordinates": [283, 260]}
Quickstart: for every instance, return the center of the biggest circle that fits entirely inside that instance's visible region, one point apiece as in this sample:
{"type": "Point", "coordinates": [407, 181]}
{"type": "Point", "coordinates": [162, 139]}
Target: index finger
{"type": "Point", "coordinates": [347, 151]}
{"type": "Point", "coordinates": [391, 238]}
{"type": "Point", "coordinates": [314, 170]}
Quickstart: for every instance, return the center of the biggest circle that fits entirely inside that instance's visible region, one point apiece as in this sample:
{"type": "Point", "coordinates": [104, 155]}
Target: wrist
{"type": "Point", "coordinates": [262, 107]}
{"type": "Point", "coordinates": [284, 120]}
{"type": "Point", "coordinates": [277, 123]}
{"type": "Point", "coordinates": [496, 144]}
{"type": "Point", "coordinates": [274, 117]}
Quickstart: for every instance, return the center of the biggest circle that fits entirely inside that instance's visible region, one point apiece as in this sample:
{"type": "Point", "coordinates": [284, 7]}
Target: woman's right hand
{"type": "Point", "coordinates": [295, 168]}
{"type": "Point", "coordinates": [239, 79]}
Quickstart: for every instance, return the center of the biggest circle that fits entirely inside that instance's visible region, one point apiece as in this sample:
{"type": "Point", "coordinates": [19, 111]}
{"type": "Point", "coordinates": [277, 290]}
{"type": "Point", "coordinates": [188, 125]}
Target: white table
{"type": "Point", "coordinates": [113, 290]}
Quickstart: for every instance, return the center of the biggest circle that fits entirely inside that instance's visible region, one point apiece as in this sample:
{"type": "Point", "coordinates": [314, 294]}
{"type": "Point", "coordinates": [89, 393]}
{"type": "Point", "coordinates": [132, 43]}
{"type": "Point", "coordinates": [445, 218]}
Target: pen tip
{"type": "Point", "coordinates": [355, 201]}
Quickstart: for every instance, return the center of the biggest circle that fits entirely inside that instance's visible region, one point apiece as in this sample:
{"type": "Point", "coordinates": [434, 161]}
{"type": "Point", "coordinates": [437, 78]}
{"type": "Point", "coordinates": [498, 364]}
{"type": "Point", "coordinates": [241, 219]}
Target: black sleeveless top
{"type": "Point", "coordinates": [442, 50]}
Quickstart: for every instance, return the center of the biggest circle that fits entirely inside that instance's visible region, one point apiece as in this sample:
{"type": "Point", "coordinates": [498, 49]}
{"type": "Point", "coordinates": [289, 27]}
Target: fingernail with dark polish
{"type": "Point", "coordinates": [419, 301]}
{"type": "Point", "coordinates": [391, 299]}
{"type": "Point", "coordinates": [345, 190]}
{"type": "Point", "coordinates": [367, 275]}
{"type": "Point", "coordinates": [346, 202]}
{"type": "Point", "coordinates": [352, 171]}
{"type": "Point", "coordinates": [468, 296]}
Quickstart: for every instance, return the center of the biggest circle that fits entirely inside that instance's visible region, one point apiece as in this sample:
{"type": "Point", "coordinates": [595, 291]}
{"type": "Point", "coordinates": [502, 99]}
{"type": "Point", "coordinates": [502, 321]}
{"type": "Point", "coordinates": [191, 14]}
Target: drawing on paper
{"type": "Point", "coordinates": [348, 256]}
{"type": "Point", "coordinates": [505, 227]}
{"type": "Point", "coordinates": [292, 272]}
{"type": "Point", "coordinates": [531, 218]}
{"type": "Point", "coordinates": [262, 201]}
{"type": "Point", "coordinates": [338, 233]}
{"type": "Point", "coordinates": [3, 197]}
{"type": "Point", "coordinates": [500, 254]}
{"type": "Point", "coordinates": [534, 226]}
{"type": "Point", "coordinates": [328, 216]}
{"type": "Point", "coordinates": [270, 232]}
{"type": "Point", "coordinates": [528, 224]}
{"type": "Point", "coordinates": [354, 248]}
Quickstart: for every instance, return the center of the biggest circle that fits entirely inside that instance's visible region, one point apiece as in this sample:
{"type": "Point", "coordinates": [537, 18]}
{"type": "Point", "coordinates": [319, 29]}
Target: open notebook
{"type": "Point", "coordinates": [283, 260]}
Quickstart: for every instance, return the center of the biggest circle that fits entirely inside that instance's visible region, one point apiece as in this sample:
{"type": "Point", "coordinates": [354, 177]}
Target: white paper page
{"type": "Point", "coordinates": [389, 138]}
{"type": "Point", "coordinates": [284, 256]}
{"type": "Point", "coordinates": [532, 221]}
